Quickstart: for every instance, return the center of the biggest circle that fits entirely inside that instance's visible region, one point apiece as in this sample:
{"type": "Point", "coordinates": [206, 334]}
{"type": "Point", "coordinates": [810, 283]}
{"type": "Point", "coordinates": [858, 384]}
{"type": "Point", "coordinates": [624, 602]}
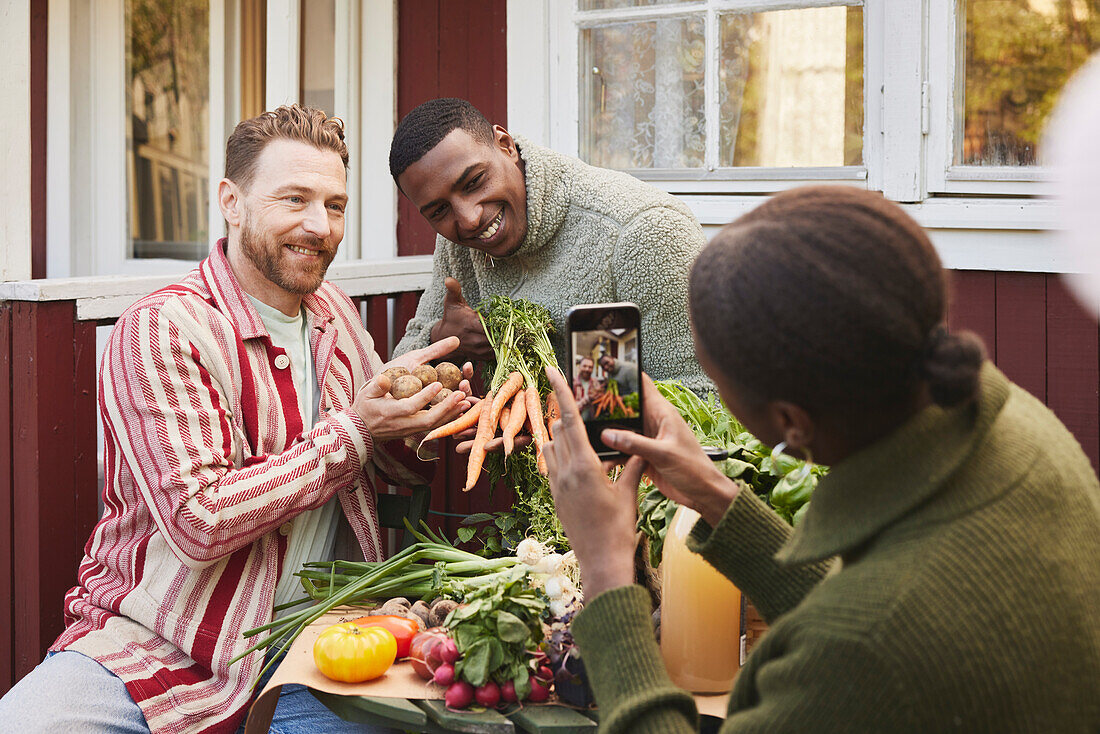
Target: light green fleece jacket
{"type": "Point", "coordinates": [968, 599]}
{"type": "Point", "coordinates": [593, 236]}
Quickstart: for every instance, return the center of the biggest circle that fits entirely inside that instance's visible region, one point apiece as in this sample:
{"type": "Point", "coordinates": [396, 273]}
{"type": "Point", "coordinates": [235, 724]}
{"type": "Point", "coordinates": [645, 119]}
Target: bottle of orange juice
{"type": "Point", "coordinates": [701, 635]}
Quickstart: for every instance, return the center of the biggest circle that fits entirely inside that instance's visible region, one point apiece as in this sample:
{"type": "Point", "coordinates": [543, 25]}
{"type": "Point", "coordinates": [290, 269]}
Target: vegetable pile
{"type": "Point", "coordinates": [429, 568]}
{"type": "Point", "coordinates": [782, 483]}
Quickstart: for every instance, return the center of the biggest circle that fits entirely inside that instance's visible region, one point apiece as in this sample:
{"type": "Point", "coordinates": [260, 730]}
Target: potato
{"type": "Point", "coordinates": [426, 373]}
{"type": "Point", "coordinates": [406, 386]}
{"type": "Point", "coordinates": [439, 610]}
{"type": "Point", "coordinates": [394, 372]}
{"type": "Point", "coordinates": [420, 609]}
{"type": "Point", "coordinates": [440, 396]}
{"type": "Point", "coordinates": [449, 375]}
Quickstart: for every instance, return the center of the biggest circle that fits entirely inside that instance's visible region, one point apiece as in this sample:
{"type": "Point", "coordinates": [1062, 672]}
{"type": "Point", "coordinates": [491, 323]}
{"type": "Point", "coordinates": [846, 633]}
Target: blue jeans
{"type": "Point", "coordinates": [70, 692]}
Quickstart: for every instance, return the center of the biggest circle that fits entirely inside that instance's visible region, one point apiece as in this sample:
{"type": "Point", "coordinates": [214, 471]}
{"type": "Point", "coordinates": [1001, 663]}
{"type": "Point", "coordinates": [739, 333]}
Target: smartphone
{"type": "Point", "coordinates": [605, 357]}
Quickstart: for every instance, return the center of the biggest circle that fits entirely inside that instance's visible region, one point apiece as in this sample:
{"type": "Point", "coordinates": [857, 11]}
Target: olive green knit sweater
{"type": "Point", "coordinates": [593, 236]}
{"type": "Point", "coordinates": [968, 598]}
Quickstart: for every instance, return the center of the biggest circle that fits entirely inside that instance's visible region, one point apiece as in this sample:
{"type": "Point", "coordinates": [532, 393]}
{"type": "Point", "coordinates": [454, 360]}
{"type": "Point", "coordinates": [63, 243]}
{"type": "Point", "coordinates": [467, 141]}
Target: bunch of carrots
{"type": "Point", "coordinates": [610, 401]}
{"type": "Point", "coordinates": [518, 332]}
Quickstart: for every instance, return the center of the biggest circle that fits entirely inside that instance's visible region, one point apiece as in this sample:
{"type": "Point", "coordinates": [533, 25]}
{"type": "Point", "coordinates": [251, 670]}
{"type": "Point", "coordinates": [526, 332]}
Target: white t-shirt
{"type": "Point", "coordinates": [313, 533]}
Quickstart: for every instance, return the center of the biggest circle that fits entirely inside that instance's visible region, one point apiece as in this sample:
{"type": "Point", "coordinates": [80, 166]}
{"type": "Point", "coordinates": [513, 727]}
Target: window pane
{"type": "Point", "coordinates": [1018, 55]}
{"type": "Point", "coordinates": [790, 85]}
{"type": "Point", "coordinates": [167, 99]}
{"type": "Point", "coordinates": [608, 4]}
{"type": "Point", "coordinates": [642, 97]}
{"type": "Point", "coordinates": [318, 57]}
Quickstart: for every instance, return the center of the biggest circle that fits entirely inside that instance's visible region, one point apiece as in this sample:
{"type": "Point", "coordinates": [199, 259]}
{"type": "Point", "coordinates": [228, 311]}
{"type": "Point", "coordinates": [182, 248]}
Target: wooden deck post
{"type": "Point", "coordinates": [53, 467]}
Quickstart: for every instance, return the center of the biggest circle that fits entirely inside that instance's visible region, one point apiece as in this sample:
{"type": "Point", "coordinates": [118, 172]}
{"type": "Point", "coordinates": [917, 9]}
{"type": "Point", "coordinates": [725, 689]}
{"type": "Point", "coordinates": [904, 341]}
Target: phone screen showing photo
{"type": "Point", "coordinates": [605, 369]}
{"type": "Point", "coordinates": [606, 377]}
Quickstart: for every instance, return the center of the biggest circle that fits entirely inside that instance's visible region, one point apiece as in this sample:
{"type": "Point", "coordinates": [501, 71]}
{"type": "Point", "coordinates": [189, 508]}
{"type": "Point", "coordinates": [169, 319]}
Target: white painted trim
{"type": "Point", "coordinates": [108, 175]}
{"type": "Point", "coordinates": [529, 95]}
{"type": "Point", "coordinates": [216, 132]}
{"type": "Point", "coordinates": [902, 74]}
{"type": "Point", "coordinates": [106, 297]}
{"type": "Point", "coordinates": [969, 234]}
{"type": "Point", "coordinates": [347, 107]}
{"type": "Point", "coordinates": [564, 112]}
{"type": "Point", "coordinates": [283, 61]}
{"type": "Point", "coordinates": [60, 42]}
{"type": "Point", "coordinates": [874, 62]}
{"type": "Point", "coordinates": [377, 118]}
{"type": "Point", "coordinates": [15, 140]}
{"type": "Point", "coordinates": [974, 214]}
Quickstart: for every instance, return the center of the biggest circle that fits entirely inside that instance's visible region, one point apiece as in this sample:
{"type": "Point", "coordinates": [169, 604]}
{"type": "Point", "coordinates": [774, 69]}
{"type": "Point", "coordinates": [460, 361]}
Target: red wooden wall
{"type": "Point", "coordinates": [449, 49]}
{"type": "Point", "coordinates": [1041, 338]}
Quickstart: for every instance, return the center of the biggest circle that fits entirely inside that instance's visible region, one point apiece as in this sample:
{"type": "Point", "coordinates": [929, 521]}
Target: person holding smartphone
{"type": "Point", "coordinates": [946, 576]}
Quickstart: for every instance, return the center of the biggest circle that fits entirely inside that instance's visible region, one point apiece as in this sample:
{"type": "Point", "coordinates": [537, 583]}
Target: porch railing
{"type": "Point", "coordinates": [49, 488]}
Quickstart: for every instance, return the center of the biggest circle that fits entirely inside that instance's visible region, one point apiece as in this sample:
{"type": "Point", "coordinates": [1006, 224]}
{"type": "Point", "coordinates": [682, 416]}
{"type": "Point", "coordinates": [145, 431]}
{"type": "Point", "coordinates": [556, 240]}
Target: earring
{"type": "Point", "coordinates": [806, 467]}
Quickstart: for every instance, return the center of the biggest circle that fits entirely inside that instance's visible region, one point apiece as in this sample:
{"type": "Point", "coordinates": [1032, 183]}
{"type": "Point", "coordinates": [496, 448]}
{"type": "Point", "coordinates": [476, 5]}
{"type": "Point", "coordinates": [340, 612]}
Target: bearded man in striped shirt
{"type": "Point", "coordinates": [246, 425]}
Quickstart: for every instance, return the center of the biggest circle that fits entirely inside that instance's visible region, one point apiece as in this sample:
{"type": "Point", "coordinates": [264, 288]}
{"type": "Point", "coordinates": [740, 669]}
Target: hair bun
{"type": "Point", "coordinates": [951, 365]}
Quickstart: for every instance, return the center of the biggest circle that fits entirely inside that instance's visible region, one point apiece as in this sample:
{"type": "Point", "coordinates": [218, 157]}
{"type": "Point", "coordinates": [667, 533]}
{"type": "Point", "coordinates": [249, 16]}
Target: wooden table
{"type": "Point", "coordinates": [432, 716]}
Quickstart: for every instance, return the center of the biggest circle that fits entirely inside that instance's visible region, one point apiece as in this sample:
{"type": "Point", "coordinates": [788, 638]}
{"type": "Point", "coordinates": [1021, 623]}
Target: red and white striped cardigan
{"type": "Point", "coordinates": [206, 458]}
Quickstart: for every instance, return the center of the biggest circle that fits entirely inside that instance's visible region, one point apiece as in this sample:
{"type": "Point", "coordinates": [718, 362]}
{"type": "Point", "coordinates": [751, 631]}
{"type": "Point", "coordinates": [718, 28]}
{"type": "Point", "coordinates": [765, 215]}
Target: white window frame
{"type": "Point", "coordinates": [904, 121]}
{"type": "Point", "coordinates": [87, 202]}
{"type": "Point", "coordinates": [564, 21]}
{"type": "Point", "coordinates": [87, 199]}
{"type": "Point", "coordinates": [944, 52]}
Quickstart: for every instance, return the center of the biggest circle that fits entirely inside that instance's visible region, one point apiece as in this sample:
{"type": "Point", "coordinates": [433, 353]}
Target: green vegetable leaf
{"type": "Point", "coordinates": [476, 518]}
{"type": "Point", "coordinates": [475, 668]}
{"type": "Point", "coordinates": [511, 628]}
{"type": "Point", "coordinates": [465, 534]}
{"type": "Point", "coordinates": [465, 611]}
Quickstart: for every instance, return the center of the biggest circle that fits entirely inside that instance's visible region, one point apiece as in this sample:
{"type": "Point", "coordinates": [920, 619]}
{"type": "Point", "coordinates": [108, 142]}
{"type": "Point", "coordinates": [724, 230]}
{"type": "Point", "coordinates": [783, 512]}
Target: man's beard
{"type": "Point", "coordinates": [269, 259]}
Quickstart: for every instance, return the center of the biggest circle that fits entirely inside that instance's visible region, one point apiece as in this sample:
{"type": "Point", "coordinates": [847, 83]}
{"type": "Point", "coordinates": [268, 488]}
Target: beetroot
{"type": "Point", "coordinates": [488, 695]}
{"type": "Point", "coordinates": [508, 692]}
{"type": "Point", "coordinates": [459, 695]}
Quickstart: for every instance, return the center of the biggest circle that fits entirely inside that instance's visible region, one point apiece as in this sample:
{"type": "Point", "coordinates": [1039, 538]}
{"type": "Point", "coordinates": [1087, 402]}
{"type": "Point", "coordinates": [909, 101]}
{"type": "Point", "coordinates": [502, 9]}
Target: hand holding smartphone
{"type": "Point", "coordinates": [605, 356]}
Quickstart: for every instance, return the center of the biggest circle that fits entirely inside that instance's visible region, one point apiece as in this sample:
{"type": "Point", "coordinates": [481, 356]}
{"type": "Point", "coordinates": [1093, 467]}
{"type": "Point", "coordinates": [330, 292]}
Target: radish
{"type": "Point", "coordinates": [448, 651]}
{"type": "Point", "coordinates": [488, 695]}
{"type": "Point", "coordinates": [539, 692]}
{"type": "Point", "coordinates": [508, 692]}
{"type": "Point", "coordinates": [459, 695]}
{"type": "Point", "coordinates": [444, 674]}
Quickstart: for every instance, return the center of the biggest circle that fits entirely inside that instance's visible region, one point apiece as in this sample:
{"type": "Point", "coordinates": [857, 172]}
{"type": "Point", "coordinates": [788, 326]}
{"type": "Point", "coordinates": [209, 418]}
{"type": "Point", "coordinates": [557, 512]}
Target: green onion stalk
{"type": "Point", "coordinates": [430, 567]}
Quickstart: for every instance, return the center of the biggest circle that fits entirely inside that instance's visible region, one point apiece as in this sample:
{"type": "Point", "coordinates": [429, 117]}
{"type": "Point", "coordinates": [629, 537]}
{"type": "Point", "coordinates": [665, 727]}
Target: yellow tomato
{"type": "Point", "coordinates": [348, 653]}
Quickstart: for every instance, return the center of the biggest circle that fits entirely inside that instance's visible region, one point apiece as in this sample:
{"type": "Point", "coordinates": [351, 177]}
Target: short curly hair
{"type": "Point", "coordinates": [423, 128]}
{"type": "Point", "coordinates": [288, 122]}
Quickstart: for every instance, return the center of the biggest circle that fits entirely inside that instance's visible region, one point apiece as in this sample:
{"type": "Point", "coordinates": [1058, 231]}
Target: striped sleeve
{"type": "Point", "coordinates": [175, 428]}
